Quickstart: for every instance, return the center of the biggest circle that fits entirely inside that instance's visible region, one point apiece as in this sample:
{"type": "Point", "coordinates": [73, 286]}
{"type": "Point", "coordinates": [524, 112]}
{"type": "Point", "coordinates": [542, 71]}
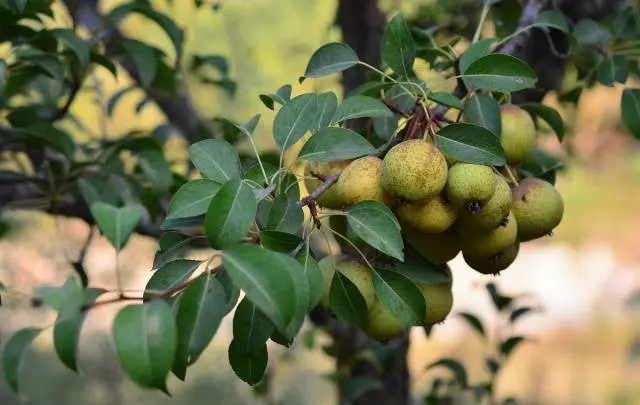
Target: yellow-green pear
{"type": "Point", "coordinates": [439, 299]}
{"type": "Point", "coordinates": [437, 248]}
{"type": "Point", "coordinates": [414, 170]}
{"type": "Point", "coordinates": [433, 216]}
{"type": "Point", "coordinates": [492, 242]}
{"type": "Point", "coordinates": [313, 170]}
{"type": "Point", "coordinates": [357, 272]}
{"type": "Point", "coordinates": [493, 264]}
{"type": "Point", "coordinates": [381, 324]}
{"type": "Point", "coordinates": [492, 212]}
{"type": "Point", "coordinates": [360, 181]}
{"type": "Point", "coordinates": [518, 135]}
{"type": "Point", "coordinates": [469, 186]}
{"type": "Point", "coordinates": [538, 208]}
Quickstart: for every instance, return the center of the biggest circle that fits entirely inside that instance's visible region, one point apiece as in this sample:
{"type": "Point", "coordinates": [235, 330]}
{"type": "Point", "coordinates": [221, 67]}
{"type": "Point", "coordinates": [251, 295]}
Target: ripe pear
{"type": "Point", "coordinates": [330, 198]}
{"type": "Point", "coordinates": [492, 242]}
{"type": "Point", "coordinates": [414, 170]}
{"type": "Point", "coordinates": [493, 264]}
{"type": "Point", "coordinates": [382, 325]}
{"type": "Point", "coordinates": [433, 216]}
{"type": "Point", "coordinates": [491, 214]}
{"type": "Point", "coordinates": [360, 181]}
{"type": "Point", "coordinates": [439, 299]}
{"type": "Point", "coordinates": [538, 208]}
{"type": "Point", "coordinates": [435, 247]}
{"type": "Point", "coordinates": [469, 186]}
{"type": "Point", "coordinates": [518, 136]}
{"type": "Point", "coordinates": [358, 273]}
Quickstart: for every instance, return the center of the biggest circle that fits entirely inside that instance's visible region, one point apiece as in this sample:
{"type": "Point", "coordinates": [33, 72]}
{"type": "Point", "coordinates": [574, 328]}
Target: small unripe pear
{"type": "Point", "coordinates": [437, 248]}
{"type": "Point", "coordinates": [492, 242]}
{"type": "Point", "coordinates": [494, 210]}
{"type": "Point", "coordinates": [358, 273]}
{"type": "Point", "coordinates": [433, 216]}
{"type": "Point", "coordinates": [518, 136]}
{"type": "Point", "coordinates": [493, 264]}
{"type": "Point", "coordinates": [330, 198]}
{"type": "Point", "coordinates": [382, 325]}
{"type": "Point", "coordinates": [414, 170]}
{"type": "Point", "coordinates": [538, 208]}
{"type": "Point", "coordinates": [360, 181]}
{"type": "Point", "coordinates": [469, 186]}
{"type": "Point", "coordinates": [439, 299]}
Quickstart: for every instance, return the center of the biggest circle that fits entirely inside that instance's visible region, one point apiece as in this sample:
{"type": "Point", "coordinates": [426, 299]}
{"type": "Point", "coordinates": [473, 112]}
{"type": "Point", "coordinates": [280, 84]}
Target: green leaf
{"type": "Point", "coordinates": [326, 109]}
{"type": "Point", "coordinates": [67, 299]}
{"type": "Point", "coordinates": [458, 370]}
{"type": "Point", "coordinates": [483, 110]}
{"type": "Point", "coordinates": [538, 163]}
{"type": "Point", "coordinates": [66, 332]}
{"type": "Point", "coordinates": [176, 249]}
{"type": "Point", "coordinates": [630, 106]}
{"type": "Point", "coordinates": [145, 340]}
{"type": "Point", "coordinates": [358, 386]}
{"type": "Point", "coordinates": [471, 143]}
{"type": "Point", "coordinates": [230, 213]}
{"type": "Point", "coordinates": [548, 114]}
{"type": "Point", "coordinates": [385, 127]}
{"type": "Point", "coordinates": [281, 96]}
{"type": "Point", "coordinates": [502, 73]}
{"type": "Point", "coordinates": [251, 327]}
{"type": "Point", "coordinates": [398, 48]}
{"type": "Point", "coordinates": [520, 312]}
{"type": "Point", "coordinates": [192, 198]}
{"type": "Point", "coordinates": [144, 58]}
{"type": "Point", "coordinates": [474, 322]}
{"type": "Point", "coordinates": [331, 58]}
{"type": "Point", "coordinates": [500, 301]}
{"type": "Point", "coordinates": [116, 224]}
{"type": "Point", "coordinates": [14, 353]}
{"type": "Point", "coordinates": [18, 5]}
{"type": "Point", "coordinates": [613, 70]}
{"type": "Point", "coordinates": [265, 278]}
{"type": "Point", "coordinates": [216, 61]}
{"type": "Point", "coordinates": [200, 310]}
{"type": "Point", "coordinates": [285, 215]}
{"type": "Point", "coordinates": [375, 224]}
{"type": "Point", "coordinates": [217, 160]}
{"type": "Point", "coordinates": [232, 290]}
{"type": "Point", "coordinates": [169, 276]}
{"type": "Point", "coordinates": [3, 79]}
{"type": "Point", "coordinates": [420, 270]}
{"type": "Point", "coordinates": [333, 143]}
{"type": "Point", "coordinates": [302, 297]}
{"type": "Point", "coordinates": [78, 46]}
{"type": "Point", "coordinates": [346, 301]}
{"type": "Point", "coordinates": [280, 241]}
{"type": "Point", "coordinates": [552, 19]}
{"type": "Point", "coordinates": [313, 274]}
{"type": "Point", "coordinates": [116, 97]}
{"type": "Point", "coordinates": [51, 136]}
{"type": "Point", "coordinates": [105, 62]}
{"type": "Point", "coordinates": [475, 52]}
{"type": "Point", "coordinates": [506, 16]}
{"type": "Point", "coordinates": [507, 347]}
{"type": "Point", "coordinates": [294, 119]}
{"type": "Point", "coordinates": [588, 32]}
{"type": "Point", "coordinates": [249, 365]}
{"type": "Point", "coordinates": [370, 89]}
{"type": "Point", "coordinates": [360, 106]}
{"type": "Point", "coordinates": [446, 99]}
{"type": "Point", "coordinates": [155, 168]}
{"type": "Point", "coordinates": [254, 173]}
{"type": "Point", "coordinates": [400, 296]}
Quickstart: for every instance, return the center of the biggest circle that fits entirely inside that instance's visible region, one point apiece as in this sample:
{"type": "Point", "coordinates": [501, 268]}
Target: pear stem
{"type": "Point", "coordinates": [511, 175]}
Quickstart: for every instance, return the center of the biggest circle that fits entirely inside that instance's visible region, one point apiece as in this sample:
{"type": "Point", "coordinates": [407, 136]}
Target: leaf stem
{"type": "Point", "coordinates": [353, 245]}
{"type": "Point", "coordinates": [483, 17]}
{"type": "Point", "coordinates": [512, 177]}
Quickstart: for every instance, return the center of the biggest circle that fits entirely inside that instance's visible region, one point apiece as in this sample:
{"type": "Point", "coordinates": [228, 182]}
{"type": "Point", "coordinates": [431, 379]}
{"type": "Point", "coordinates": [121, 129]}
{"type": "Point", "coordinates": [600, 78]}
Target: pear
{"type": "Point", "coordinates": [439, 299]}
{"type": "Point", "coordinates": [433, 216]}
{"type": "Point", "coordinates": [437, 248]}
{"type": "Point", "coordinates": [538, 208]}
{"type": "Point", "coordinates": [492, 242]}
{"type": "Point", "coordinates": [414, 170]}
{"type": "Point", "coordinates": [330, 198]}
{"type": "Point", "coordinates": [358, 273]}
{"type": "Point", "coordinates": [382, 325]}
{"type": "Point", "coordinates": [493, 264]}
{"type": "Point", "coordinates": [518, 135]}
{"type": "Point", "coordinates": [469, 186]}
{"type": "Point", "coordinates": [360, 181]}
{"type": "Point", "coordinates": [494, 210]}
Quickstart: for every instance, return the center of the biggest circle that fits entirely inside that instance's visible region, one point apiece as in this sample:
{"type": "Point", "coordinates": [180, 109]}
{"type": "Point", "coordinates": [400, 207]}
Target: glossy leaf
{"type": "Point", "coordinates": [359, 107]}
{"type": "Point", "coordinates": [217, 160]}
{"type": "Point", "coordinates": [170, 276]}
{"type": "Point", "coordinates": [588, 32]}
{"type": "Point", "coordinates": [375, 224]}
{"type": "Point", "coordinates": [333, 143]}
{"type": "Point", "coordinates": [14, 353]}
{"type": "Point", "coordinates": [231, 211]}
{"type": "Point", "coordinates": [548, 114]}
{"type": "Point", "coordinates": [280, 241]}
{"type": "Point", "coordinates": [483, 110]}
{"type": "Point", "coordinates": [116, 224]}
{"type": "Point", "coordinates": [400, 296]}
{"type": "Point", "coordinates": [502, 73]}
{"type": "Point", "coordinates": [251, 327]}
{"type": "Point", "coordinates": [325, 110]}
{"type": "Point", "coordinates": [294, 119]}
{"type": "Point", "coordinates": [331, 58]}
{"type": "Point", "coordinates": [281, 96]}
{"type": "Point", "coordinates": [471, 143]}
{"type": "Point", "coordinates": [285, 215]}
{"type": "Point", "coordinates": [475, 52]}
{"type": "Point", "coordinates": [630, 105]}
{"type": "Point", "coordinates": [313, 274]}
{"type": "Point", "coordinates": [249, 365]}
{"type": "Point", "coordinates": [398, 48]}
{"type": "Point", "coordinates": [346, 301]}
{"type": "Point", "coordinates": [179, 245]}
{"type": "Point", "coordinates": [192, 198]}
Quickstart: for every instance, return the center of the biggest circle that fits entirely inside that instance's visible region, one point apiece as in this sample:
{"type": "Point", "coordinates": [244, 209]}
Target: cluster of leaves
{"type": "Point", "coordinates": [504, 342]}
{"type": "Point", "coordinates": [250, 208]}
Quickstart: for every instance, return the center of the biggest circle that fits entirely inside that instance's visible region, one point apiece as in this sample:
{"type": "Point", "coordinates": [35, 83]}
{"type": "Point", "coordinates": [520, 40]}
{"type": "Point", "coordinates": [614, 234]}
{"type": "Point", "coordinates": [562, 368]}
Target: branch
{"type": "Point", "coordinates": [528, 17]}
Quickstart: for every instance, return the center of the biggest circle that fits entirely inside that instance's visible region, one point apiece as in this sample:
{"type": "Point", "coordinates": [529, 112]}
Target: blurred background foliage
{"type": "Point", "coordinates": [586, 349]}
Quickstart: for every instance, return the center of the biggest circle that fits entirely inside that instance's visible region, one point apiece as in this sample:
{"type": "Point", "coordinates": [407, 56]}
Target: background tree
{"type": "Point", "coordinates": [128, 185]}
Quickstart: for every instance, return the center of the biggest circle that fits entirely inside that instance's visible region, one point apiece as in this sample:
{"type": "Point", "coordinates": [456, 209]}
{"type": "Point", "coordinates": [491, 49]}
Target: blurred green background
{"type": "Point", "coordinates": [585, 348]}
